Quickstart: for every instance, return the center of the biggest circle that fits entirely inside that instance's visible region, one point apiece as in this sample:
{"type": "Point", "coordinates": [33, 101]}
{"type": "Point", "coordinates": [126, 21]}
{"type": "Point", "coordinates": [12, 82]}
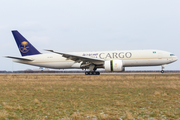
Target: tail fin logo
{"type": "Point", "coordinates": [23, 47]}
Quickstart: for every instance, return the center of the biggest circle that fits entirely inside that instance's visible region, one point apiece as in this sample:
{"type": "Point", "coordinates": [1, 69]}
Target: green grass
{"type": "Point", "coordinates": [71, 96]}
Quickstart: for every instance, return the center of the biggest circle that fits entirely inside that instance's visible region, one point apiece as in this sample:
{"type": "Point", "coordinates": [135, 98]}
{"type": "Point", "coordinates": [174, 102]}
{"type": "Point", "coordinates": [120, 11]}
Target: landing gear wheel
{"type": "Point", "coordinates": [92, 73]}
{"type": "Point", "coordinates": [162, 71]}
{"type": "Point", "coordinates": [86, 73]}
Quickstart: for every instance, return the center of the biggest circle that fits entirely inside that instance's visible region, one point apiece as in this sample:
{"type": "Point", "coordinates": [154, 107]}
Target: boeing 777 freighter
{"type": "Point", "coordinates": [114, 61]}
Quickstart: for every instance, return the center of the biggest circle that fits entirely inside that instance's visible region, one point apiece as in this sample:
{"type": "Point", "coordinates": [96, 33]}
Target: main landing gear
{"type": "Point", "coordinates": [92, 73]}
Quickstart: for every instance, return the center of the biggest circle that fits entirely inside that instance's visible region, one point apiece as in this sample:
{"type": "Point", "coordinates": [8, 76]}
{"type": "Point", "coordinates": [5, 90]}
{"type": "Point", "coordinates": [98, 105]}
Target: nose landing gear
{"type": "Point", "coordinates": [163, 66]}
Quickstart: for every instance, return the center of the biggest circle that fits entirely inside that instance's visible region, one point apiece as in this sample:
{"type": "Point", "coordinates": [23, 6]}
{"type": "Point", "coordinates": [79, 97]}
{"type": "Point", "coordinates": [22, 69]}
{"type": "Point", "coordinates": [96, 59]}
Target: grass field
{"type": "Point", "coordinates": [76, 96]}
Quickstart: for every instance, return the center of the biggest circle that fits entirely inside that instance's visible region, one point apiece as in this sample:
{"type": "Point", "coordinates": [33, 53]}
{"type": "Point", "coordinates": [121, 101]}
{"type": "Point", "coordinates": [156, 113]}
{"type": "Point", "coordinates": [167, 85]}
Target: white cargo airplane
{"type": "Point", "coordinates": [109, 60]}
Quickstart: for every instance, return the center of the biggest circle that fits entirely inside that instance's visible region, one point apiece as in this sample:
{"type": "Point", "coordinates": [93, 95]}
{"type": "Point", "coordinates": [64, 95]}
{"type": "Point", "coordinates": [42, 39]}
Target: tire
{"type": "Point", "coordinates": [162, 71]}
{"type": "Point", "coordinates": [86, 73]}
{"type": "Point", "coordinates": [92, 73]}
{"type": "Point", "coordinates": [97, 73]}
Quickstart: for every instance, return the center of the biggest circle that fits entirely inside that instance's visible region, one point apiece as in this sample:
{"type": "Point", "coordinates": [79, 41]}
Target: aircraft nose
{"type": "Point", "coordinates": [175, 59]}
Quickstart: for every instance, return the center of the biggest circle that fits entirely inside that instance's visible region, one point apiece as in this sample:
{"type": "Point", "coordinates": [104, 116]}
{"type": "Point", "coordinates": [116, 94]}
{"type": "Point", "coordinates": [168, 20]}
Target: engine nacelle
{"type": "Point", "coordinates": [113, 65]}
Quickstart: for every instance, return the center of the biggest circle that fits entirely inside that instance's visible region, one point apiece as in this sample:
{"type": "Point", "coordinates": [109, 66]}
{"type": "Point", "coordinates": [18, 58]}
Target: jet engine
{"type": "Point", "coordinates": [114, 65]}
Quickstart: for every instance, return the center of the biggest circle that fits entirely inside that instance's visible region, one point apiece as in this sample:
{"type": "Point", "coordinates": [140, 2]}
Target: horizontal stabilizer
{"type": "Point", "coordinates": [18, 58]}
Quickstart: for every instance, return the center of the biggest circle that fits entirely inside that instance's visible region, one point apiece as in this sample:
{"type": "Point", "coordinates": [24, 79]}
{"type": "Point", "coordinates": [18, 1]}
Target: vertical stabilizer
{"type": "Point", "coordinates": [24, 46]}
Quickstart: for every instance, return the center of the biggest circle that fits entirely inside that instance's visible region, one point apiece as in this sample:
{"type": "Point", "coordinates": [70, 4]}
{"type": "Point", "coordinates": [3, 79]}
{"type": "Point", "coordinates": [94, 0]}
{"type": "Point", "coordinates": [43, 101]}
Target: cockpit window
{"type": "Point", "coordinates": [172, 55]}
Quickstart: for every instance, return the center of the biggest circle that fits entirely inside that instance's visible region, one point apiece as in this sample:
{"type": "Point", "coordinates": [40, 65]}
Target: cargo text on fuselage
{"type": "Point", "coordinates": [113, 55]}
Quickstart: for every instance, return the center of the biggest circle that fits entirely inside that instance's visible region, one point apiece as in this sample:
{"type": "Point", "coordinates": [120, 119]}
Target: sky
{"type": "Point", "coordinates": [90, 25]}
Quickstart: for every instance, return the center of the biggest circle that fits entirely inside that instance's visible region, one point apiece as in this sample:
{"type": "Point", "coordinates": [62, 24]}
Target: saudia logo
{"type": "Point", "coordinates": [110, 55]}
{"type": "Point", "coordinates": [23, 47]}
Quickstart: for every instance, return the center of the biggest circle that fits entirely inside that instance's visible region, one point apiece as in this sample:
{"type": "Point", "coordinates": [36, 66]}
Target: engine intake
{"type": "Point", "coordinates": [114, 65]}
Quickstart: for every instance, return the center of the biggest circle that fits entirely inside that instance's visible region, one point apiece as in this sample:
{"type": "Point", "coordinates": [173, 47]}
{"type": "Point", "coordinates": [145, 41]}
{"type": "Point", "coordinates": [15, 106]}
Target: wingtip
{"type": "Point", "coordinates": [49, 50]}
{"type": "Point", "coordinates": [6, 56]}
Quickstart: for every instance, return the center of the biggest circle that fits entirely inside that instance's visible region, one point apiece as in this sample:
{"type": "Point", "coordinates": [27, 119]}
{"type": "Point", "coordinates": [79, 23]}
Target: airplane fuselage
{"type": "Point", "coordinates": [130, 58]}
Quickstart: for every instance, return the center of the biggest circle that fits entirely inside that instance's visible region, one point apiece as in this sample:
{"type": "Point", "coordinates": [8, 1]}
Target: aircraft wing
{"type": "Point", "coordinates": [18, 58]}
{"type": "Point", "coordinates": [78, 58]}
